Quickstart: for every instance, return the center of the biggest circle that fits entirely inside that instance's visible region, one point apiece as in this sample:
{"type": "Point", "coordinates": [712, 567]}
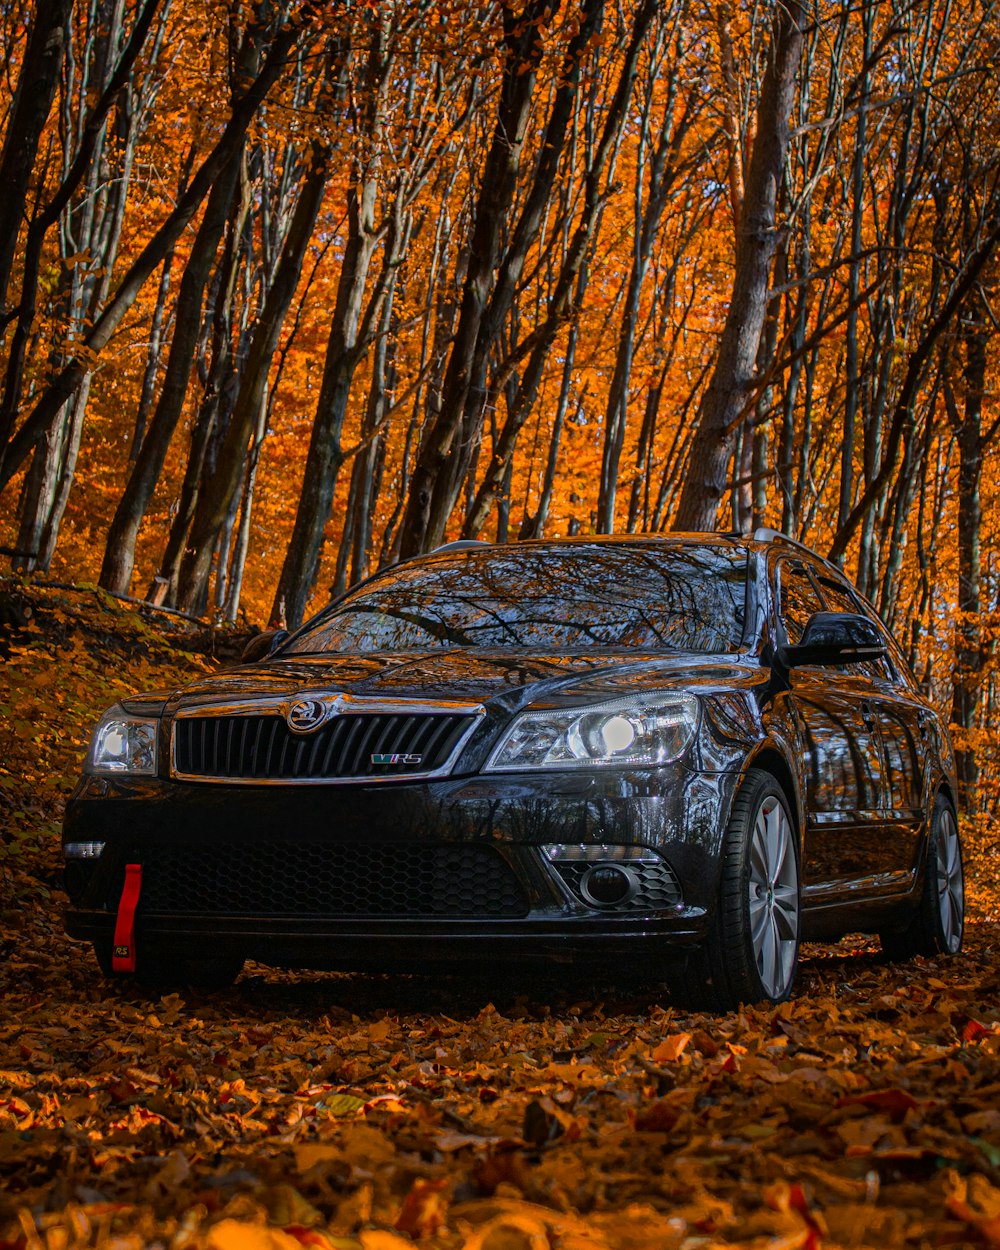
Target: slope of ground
{"type": "Point", "coordinates": [367, 1113]}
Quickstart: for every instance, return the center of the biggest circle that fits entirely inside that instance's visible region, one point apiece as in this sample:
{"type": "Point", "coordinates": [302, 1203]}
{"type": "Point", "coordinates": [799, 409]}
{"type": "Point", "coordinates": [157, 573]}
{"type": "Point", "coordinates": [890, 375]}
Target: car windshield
{"type": "Point", "coordinates": [544, 598]}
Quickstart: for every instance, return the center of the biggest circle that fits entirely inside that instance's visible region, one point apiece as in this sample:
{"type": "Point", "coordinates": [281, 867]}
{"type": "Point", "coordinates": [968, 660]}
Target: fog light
{"type": "Point", "coordinates": [607, 885]}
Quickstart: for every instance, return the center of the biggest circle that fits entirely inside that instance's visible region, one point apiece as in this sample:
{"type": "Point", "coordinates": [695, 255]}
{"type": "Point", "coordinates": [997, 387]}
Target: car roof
{"type": "Point", "coordinates": [761, 538]}
{"type": "Point", "coordinates": [671, 539]}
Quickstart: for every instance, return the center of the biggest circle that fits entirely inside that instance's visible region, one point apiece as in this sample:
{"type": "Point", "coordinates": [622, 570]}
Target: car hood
{"type": "Point", "coordinates": [501, 679]}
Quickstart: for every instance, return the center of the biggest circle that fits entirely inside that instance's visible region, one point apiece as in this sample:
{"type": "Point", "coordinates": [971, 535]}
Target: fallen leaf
{"type": "Point", "coordinates": [671, 1048]}
{"type": "Point", "coordinates": [423, 1209]}
{"type": "Point", "coordinates": [241, 1235]}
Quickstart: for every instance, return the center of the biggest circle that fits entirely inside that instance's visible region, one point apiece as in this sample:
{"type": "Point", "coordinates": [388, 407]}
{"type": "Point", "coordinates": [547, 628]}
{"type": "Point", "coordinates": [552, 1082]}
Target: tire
{"type": "Point", "coordinates": [752, 950]}
{"type": "Point", "coordinates": [938, 925]}
{"type": "Point", "coordinates": [102, 953]}
{"type": "Point", "coordinates": [158, 970]}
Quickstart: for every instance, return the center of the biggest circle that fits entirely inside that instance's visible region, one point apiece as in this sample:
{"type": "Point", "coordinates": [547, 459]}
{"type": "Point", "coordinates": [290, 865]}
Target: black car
{"type": "Point", "coordinates": [680, 755]}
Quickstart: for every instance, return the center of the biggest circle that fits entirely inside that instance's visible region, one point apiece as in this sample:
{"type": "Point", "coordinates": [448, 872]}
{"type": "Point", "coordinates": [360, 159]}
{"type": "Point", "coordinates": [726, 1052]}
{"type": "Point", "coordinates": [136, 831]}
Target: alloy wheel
{"type": "Point", "coordinates": [774, 897]}
{"type": "Point", "coordinates": [950, 881]}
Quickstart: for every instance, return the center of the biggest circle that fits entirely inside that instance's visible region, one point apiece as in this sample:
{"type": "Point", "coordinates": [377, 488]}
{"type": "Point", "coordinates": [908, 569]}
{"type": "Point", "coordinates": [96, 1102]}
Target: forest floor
{"type": "Point", "coordinates": [376, 1113]}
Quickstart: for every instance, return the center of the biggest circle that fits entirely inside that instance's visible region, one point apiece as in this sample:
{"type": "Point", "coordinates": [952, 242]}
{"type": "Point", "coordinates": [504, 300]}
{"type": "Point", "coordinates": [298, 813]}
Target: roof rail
{"type": "Point", "coordinates": [461, 544]}
{"type": "Point", "coordinates": [766, 535]}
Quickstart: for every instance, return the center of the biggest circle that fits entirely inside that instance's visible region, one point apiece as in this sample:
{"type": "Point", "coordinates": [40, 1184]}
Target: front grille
{"type": "Point", "coordinates": [263, 748]}
{"type": "Point", "coordinates": [315, 879]}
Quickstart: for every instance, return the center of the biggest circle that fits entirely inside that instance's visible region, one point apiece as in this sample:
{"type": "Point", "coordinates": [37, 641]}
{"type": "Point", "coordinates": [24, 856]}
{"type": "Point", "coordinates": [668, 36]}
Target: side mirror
{"type": "Point", "coordinates": [834, 638]}
{"type": "Point", "coordinates": [261, 645]}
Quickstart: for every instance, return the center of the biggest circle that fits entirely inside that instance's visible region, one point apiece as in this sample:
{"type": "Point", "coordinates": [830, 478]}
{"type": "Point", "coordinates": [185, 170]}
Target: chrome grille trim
{"type": "Point", "coordinates": [272, 712]}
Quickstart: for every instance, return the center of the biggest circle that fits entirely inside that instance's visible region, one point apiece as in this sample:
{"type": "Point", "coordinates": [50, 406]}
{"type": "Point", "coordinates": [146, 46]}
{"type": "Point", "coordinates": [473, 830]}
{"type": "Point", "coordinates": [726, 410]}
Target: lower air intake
{"type": "Point", "coordinates": [312, 879]}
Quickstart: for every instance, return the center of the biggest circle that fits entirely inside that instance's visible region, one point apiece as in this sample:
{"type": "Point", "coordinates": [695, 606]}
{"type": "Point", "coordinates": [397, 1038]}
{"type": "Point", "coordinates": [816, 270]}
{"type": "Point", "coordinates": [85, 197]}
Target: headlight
{"type": "Point", "coordinates": [123, 744]}
{"type": "Point", "coordinates": [638, 729]}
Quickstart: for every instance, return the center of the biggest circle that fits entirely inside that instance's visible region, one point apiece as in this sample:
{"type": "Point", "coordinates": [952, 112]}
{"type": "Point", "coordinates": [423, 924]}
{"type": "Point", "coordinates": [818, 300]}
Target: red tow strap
{"type": "Point", "coordinates": [123, 954]}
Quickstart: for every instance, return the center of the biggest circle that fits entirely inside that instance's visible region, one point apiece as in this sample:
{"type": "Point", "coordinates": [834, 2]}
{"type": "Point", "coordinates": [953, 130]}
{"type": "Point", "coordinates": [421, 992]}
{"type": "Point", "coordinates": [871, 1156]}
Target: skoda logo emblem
{"type": "Point", "coordinates": [305, 715]}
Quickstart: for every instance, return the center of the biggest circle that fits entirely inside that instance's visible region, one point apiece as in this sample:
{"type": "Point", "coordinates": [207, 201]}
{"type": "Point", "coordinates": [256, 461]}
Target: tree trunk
{"type": "Point", "coordinates": [499, 319]}
{"type": "Point", "coordinates": [663, 173]}
{"type": "Point", "coordinates": [325, 455]}
{"type": "Point", "coordinates": [90, 225]}
{"type": "Point", "coordinates": [753, 474]}
{"type": "Point", "coordinates": [55, 395]}
{"type": "Point", "coordinates": [354, 323]}
{"type": "Point", "coordinates": [119, 555]}
{"type": "Point", "coordinates": [429, 499]}
{"type": "Point", "coordinates": [149, 377]}
{"type": "Point", "coordinates": [218, 368]}
{"type": "Point", "coordinates": [971, 650]}
{"type": "Point", "coordinates": [797, 317]}
{"type": "Point", "coordinates": [916, 365]}
{"type": "Point", "coordinates": [33, 96]}
{"type": "Point", "coordinates": [729, 389]}
{"type": "Point", "coordinates": [366, 475]}
{"type": "Point", "coordinates": [570, 287]}
{"type": "Point", "coordinates": [217, 493]}
{"type": "Point", "coordinates": [852, 379]}
{"type": "Point", "coordinates": [534, 526]}
{"type": "Point", "coordinates": [90, 140]}
{"type": "Point", "coordinates": [47, 494]}
{"type": "Point", "coordinates": [238, 560]}
{"type": "Point", "coordinates": [119, 552]}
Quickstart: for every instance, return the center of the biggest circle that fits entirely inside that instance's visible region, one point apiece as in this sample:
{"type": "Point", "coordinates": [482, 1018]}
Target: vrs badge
{"type": "Point", "coordinates": [397, 759]}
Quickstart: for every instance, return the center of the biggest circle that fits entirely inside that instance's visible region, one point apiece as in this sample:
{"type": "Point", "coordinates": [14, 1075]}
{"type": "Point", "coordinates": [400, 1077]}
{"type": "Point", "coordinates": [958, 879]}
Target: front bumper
{"type": "Point", "coordinates": [399, 946]}
{"type": "Point", "coordinates": [279, 843]}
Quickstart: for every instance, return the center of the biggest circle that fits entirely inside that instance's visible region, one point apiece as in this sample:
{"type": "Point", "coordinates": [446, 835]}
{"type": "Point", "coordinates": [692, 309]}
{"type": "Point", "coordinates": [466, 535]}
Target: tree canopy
{"type": "Point", "coordinates": [290, 290]}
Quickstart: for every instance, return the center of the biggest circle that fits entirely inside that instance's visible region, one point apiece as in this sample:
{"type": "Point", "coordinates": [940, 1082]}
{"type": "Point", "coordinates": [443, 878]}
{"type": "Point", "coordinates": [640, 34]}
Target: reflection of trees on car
{"type": "Point", "coordinates": [585, 595]}
{"type": "Point", "coordinates": [588, 742]}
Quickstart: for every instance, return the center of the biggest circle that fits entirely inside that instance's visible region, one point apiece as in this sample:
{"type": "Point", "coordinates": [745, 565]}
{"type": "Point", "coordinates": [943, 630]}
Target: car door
{"type": "Point", "coordinates": [834, 711]}
{"type": "Point", "coordinates": [904, 723]}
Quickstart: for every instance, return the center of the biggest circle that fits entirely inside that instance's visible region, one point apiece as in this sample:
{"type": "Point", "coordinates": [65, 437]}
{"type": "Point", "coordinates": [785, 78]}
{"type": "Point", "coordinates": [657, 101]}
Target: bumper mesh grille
{"type": "Point", "coordinates": [657, 887]}
{"type": "Point", "coordinates": [263, 748]}
{"type": "Point", "coordinates": [313, 879]}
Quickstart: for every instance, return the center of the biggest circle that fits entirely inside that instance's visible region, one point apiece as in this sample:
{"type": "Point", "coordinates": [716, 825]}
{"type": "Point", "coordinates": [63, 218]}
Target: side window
{"type": "Point", "coordinates": [899, 666]}
{"type": "Point", "coordinates": [837, 598]}
{"type": "Point", "coordinates": [903, 674]}
{"type": "Point", "coordinates": [797, 598]}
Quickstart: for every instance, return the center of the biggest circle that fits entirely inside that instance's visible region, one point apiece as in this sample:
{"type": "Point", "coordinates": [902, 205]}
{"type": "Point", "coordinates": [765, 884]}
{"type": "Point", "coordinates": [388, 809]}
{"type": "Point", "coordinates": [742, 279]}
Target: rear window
{"type": "Point", "coordinates": [560, 598]}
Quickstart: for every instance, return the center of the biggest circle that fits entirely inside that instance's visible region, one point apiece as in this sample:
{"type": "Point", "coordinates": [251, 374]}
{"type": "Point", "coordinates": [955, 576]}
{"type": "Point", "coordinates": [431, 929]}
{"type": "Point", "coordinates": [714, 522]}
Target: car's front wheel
{"type": "Point", "coordinates": [752, 950]}
{"type": "Point", "coordinates": [938, 926]}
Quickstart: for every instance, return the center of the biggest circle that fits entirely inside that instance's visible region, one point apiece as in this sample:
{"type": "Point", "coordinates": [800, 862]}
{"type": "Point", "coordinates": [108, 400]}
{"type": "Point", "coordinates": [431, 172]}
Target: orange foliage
{"type": "Point", "coordinates": [910, 229]}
